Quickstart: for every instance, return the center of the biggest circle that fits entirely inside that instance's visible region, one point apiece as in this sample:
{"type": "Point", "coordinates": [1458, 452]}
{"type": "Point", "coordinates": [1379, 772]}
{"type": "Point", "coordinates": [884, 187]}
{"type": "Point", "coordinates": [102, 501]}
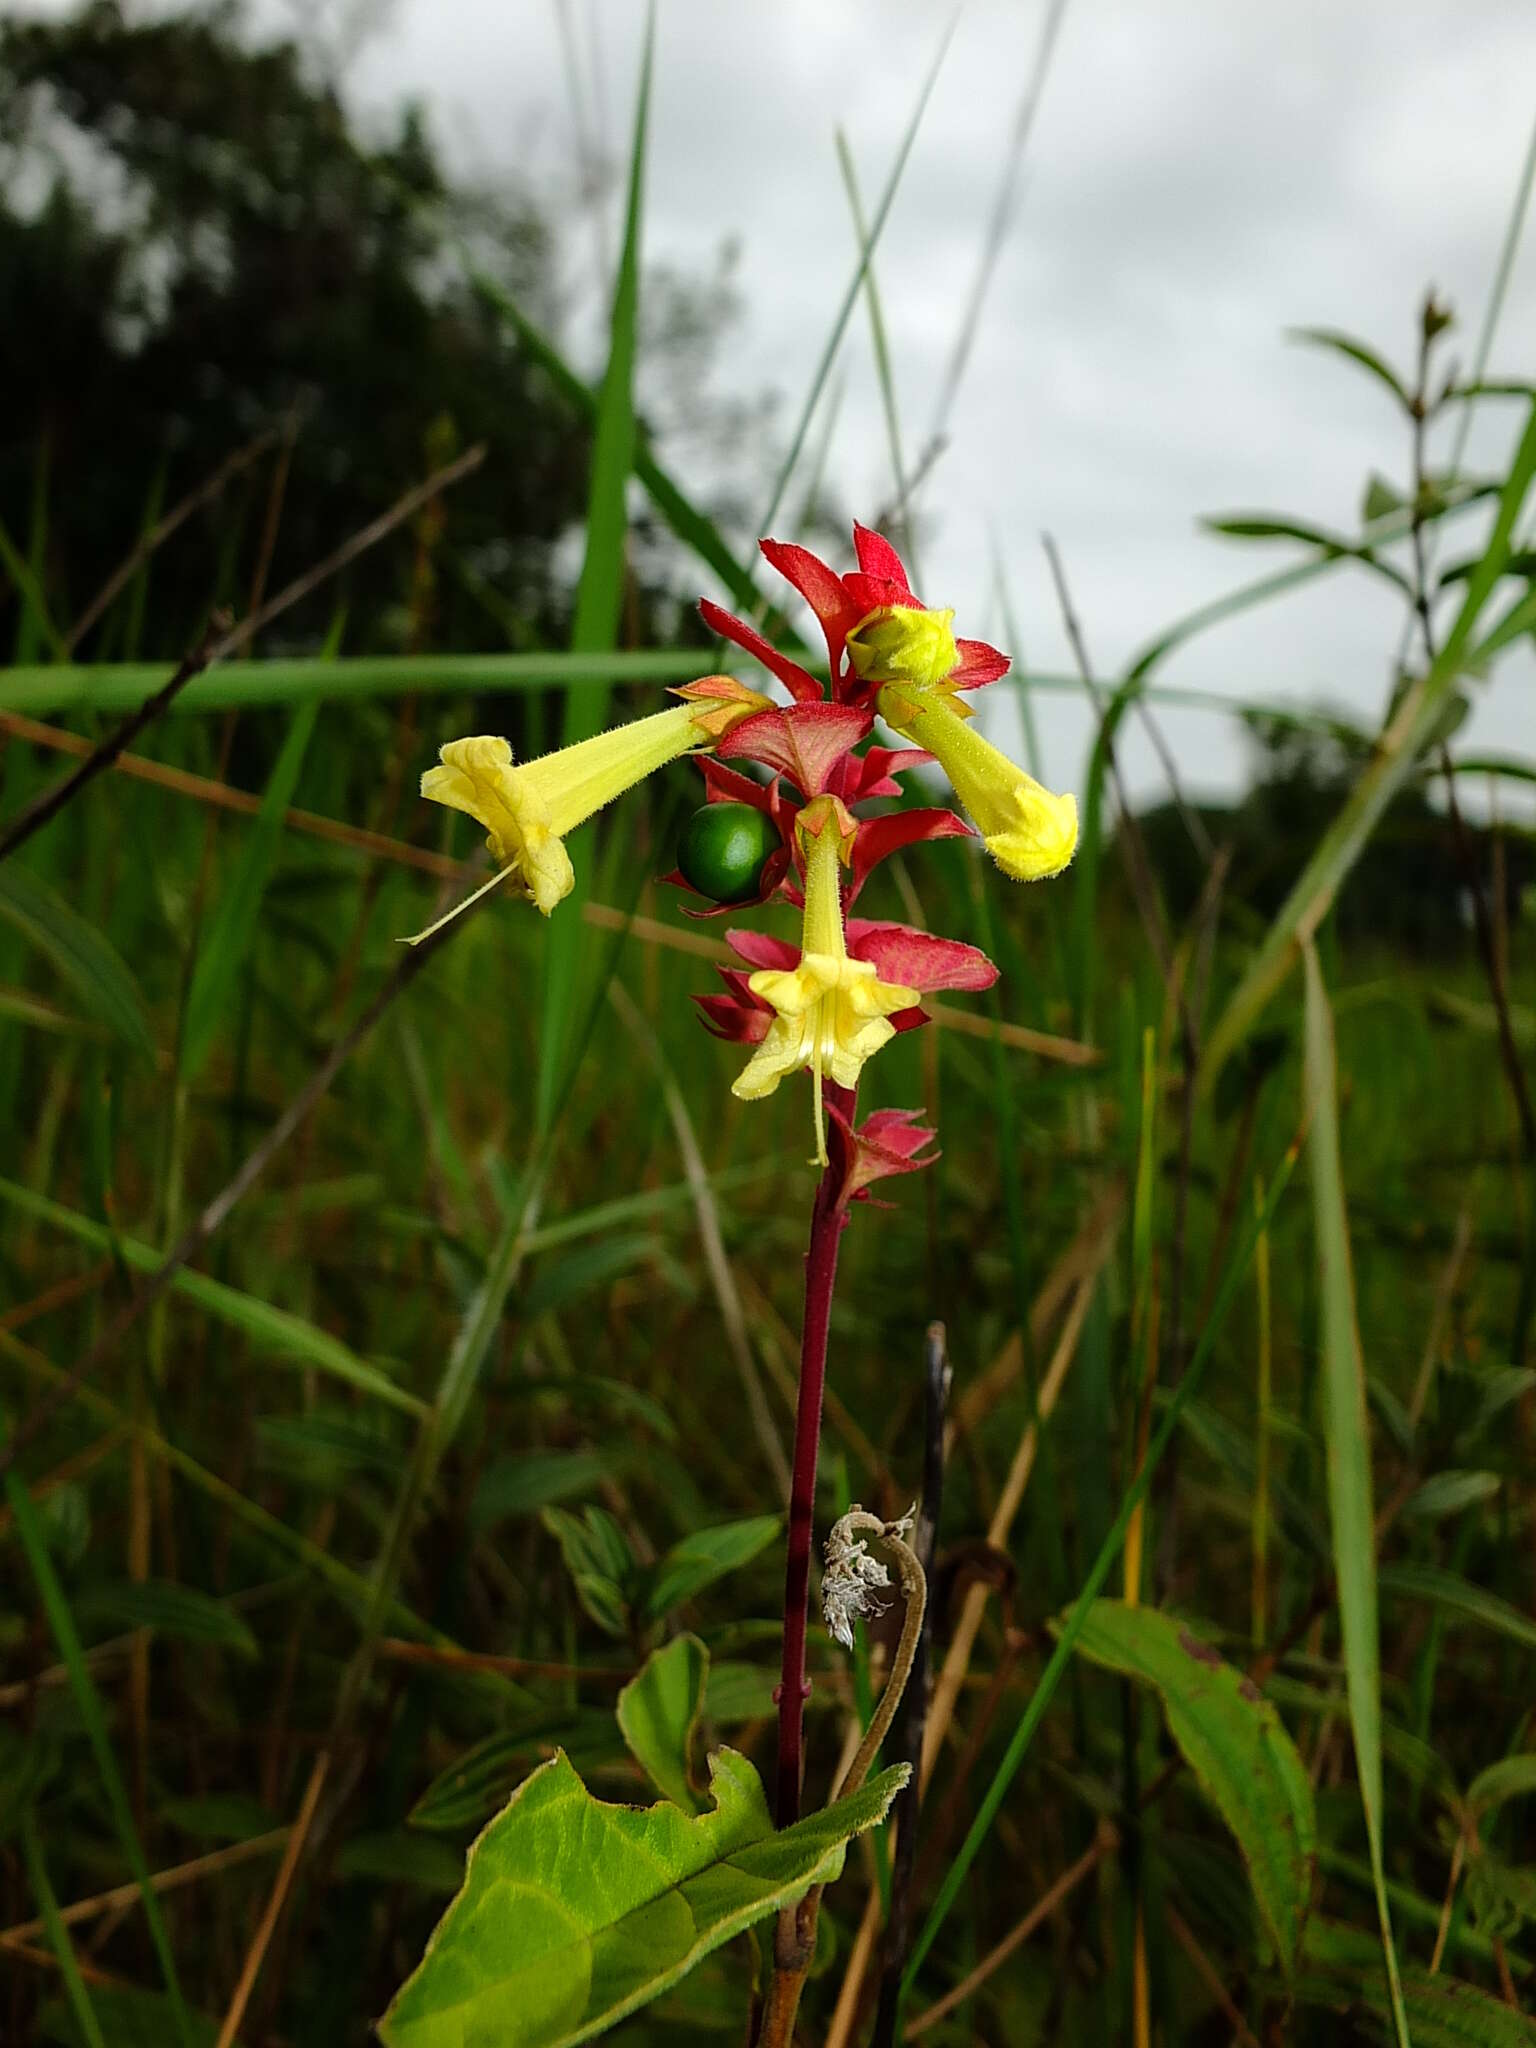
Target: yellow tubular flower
{"type": "Point", "coordinates": [528, 807]}
{"type": "Point", "coordinates": [833, 1012]}
{"type": "Point", "coordinates": [1029, 832]}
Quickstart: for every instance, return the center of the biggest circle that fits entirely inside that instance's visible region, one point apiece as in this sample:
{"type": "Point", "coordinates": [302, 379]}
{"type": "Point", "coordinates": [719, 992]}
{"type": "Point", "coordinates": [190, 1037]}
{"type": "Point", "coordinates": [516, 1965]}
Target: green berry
{"type": "Point", "coordinates": [723, 848]}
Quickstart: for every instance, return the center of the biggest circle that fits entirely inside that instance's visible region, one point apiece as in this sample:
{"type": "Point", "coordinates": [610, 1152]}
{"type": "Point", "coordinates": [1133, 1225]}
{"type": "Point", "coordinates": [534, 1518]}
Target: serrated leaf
{"type": "Point", "coordinates": [575, 1913]}
{"type": "Point", "coordinates": [80, 953]}
{"type": "Point", "coordinates": [703, 1557]}
{"type": "Point", "coordinates": [658, 1714]}
{"type": "Point", "coordinates": [535, 1479]}
{"type": "Point", "coordinates": [1237, 1746]}
{"type": "Point", "coordinates": [170, 1609]}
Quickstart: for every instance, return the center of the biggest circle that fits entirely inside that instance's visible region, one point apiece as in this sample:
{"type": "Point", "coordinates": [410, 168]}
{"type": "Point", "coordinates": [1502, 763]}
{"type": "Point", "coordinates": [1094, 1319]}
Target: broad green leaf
{"type": "Point", "coordinates": [1348, 1437]}
{"type": "Point", "coordinates": [226, 944]}
{"type": "Point", "coordinates": [532, 1480]}
{"type": "Point", "coordinates": [79, 952]}
{"type": "Point", "coordinates": [703, 1557]}
{"type": "Point", "coordinates": [170, 1609]}
{"type": "Point", "coordinates": [1448, 1493]}
{"type": "Point", "coordinates": [659, 1714]}
{"type": "Point", "coordinates": [1357, 352]}
{"type": "Point", "coordinates": [1510, 1778]}
{"type": "Point", "coordinates": [274, 1329]}
{"type": "Point", "coordinates": [575, 1913]}
{"type": "Point", "coordinates": [1458, 1597]}
{"type": "Point", "coordinates": [1235, 1743]}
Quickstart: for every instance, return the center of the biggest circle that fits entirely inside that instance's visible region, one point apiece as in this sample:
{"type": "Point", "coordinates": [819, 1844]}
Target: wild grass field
{"type": "Point", "coordinates": [399, 1348]}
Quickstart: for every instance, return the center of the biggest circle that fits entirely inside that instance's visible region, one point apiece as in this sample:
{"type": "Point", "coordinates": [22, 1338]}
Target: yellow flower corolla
{"type": "Point", "coordinates": [832, 1012]}
{"type": "Point", "coordinates": [528, 807]}
{"type": "Point", "coordinates": [1028, 831]}
{"type": "Point", "coordinates": [902, 643]}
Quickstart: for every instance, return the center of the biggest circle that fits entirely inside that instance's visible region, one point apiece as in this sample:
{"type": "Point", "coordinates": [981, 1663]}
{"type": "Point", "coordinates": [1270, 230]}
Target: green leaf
{"type": "Point", "coordinates": [1235, 1743]}
{"type": "Point", "coordinates": [535, 1479]}
{"type": "Point", "coordinates": [170, 1609]}
{"type": "Point", "coordinates": [1458, 1597]}
{"type": "Point", "coordinates": [1334, 547]}
{"type": "Point", "coordinates": [1511, 1777]}
{"type": "Point", "coordinates": [659, 1712]}
{"type": "Point", "coordinates": [575, 1913]}
{"type": "Point", "coordinates": [226, 945]}
{"type": "Point", "coordinates": [1449, 1493]}
{"type": "Point", "coordinates": [80, 2006]}
{"type": "Point", "coordinates": [584, 1272]}
{"type": "Point", "coordinates": [80, 954]}
{"type": "Point", "coordinates": [128, 2019]}
{"type": "Point", "coordinates": [88, 1703]}
{"type": "Point", "coordinates": [600, 1562]}
{"type": "Point", "coordinates": [282, 1334]}
{"type": "Point", "coordinates": [1446, 2013]}
{"type": "Point", "coordinates": [469, 1791]}
{"type": "Point", "coordinates": [1357, 352]}
{"type": "Point", "coordinates": [1348, 1437]}
{"type": "Point", "coordinates": [221, 1817]}
{"type": "Point", "coordinates": [1380, 501]}
{"type": "Point", "coordinates": [703, 1557]}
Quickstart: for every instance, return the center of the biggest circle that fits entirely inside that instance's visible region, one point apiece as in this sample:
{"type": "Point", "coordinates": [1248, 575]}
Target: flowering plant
{"type": "Point", "coordinates": [801, 833]}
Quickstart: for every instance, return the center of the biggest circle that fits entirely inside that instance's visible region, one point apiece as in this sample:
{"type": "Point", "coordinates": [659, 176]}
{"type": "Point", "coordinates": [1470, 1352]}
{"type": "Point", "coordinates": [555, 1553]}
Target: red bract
{"type": "Point", "coordinates": [891, 1141]}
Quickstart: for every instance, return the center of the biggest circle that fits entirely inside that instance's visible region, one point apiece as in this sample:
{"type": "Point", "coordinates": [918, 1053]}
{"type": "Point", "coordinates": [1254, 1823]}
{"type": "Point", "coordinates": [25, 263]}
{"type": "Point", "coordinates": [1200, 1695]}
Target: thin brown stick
{"type": "Point", "coordinates": [213, 649]}
{"type": "Point", "coordinates": [1103, 1845]}
{"type": "Point", "coordinates": [168, 1880]}
{"type": "Point", "coordinates": [398, 1650]}
{"type": "Point", "coordinates": [57, 1296]}
{"type": "Point", "coordinates": [201, 494]}
{"type": "Point", "coordinates": [298, 1834]}
{"type": "Point", "coordinates": [1458, 1857]}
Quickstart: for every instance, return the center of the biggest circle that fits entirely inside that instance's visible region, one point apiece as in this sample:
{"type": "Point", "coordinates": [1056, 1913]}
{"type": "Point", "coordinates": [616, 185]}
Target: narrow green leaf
{"type": "Point", "coordinates": [1237, 1746]}
{"type": "Point", "coordinates": [658, 1713]}
{"type": "Point", "coordinates": [1332, 546]}
{"type": "Point", "coordinates": [548, 1944]}
{"type": "Point", "coordinates": [599, 599]}
{"type": "Point", "coordinates": [274, 1329]}
{"type": "Point", "coordinates": [227, 944]}
{"type": "Point", "coordinates": [35, 617]}
{"type": "Point", "coordinates": [88, 1705]}
{"type": "Point", "coordinates": [703, 1557]}
{"type": "Point", "coordinates": [1348, 1436]}
{"type": "Point", "coordinates": [1458, 1597]}
{"type": "Point", "coordinates": [1450, 1493]}
{"type": "Point", "coordinates": [170, 1609]}
{"type": "Point", "coordinates": [484, 1778]}
{"type": "Point", "coordinates": [79, 952]}
{"type": "Point", "coordinates": [221, 1817]}
{"type": "Point", "coordinates": [396, 1856]}
{"type": "Point", "coordinates": [58, 1935]}
{"type": "Point", "coordinates": [1511, 1778]}
{"type": "Point", "coordinates": [1357, 352]}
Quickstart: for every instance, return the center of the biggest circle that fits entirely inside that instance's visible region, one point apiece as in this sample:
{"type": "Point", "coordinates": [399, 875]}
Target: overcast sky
{"type": "Point", "coordinates": [1202, 175]}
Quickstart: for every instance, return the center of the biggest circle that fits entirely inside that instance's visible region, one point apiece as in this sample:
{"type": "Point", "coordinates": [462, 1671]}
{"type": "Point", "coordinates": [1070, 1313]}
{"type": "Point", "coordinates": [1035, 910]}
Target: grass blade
{"type": "Point", "coordinates": [1349, 1446]}
{"type": "Point", "coordinates": [58, 1935]}
{"type": "Point", "coordinates": [599, 595]}
{"type": "Point", "coordinates": [88, 1704]}
{"type": "Point", "coordinates": [85, 958]}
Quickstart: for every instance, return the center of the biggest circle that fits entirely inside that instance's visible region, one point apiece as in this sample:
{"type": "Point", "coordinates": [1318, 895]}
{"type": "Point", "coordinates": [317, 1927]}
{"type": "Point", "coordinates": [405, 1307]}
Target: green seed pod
{"type": "Point", "coordinates": [723, 848]}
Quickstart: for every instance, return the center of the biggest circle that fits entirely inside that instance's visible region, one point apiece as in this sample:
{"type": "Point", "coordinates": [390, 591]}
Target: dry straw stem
{"type": "Point", "coordinates": [213, 649]}
{"type": "Point", "coordinates": [298, 1834]}
{"type": "Point", "coordinates": [1046, 1045]}
{"type": "Point", "coordinates": [127, 1895]}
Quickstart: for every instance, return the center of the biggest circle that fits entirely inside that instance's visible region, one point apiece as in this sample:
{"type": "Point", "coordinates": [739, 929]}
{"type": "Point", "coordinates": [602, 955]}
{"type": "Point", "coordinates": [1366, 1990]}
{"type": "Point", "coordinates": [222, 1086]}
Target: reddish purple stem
{"type": "Point", "coordinates": [820, 1275]}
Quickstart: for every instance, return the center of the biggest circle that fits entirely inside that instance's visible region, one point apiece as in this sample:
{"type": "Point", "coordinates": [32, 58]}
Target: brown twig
{"type": "Point", "coordinates": [398, 1650]}
{"type": "Point", "coordinates": [213, 647]}
{"type": "Point", "coordinates": [298, 1834]}
{"type": "Point", "coordinates": [160, 1881]}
